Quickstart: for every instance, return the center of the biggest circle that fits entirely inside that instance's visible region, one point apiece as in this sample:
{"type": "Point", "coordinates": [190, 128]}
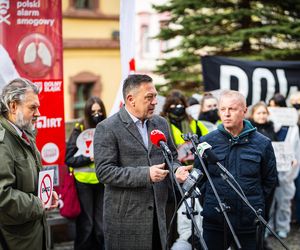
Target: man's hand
{"type": "Point", "coordinates": [54, 203]}
{"type": "Point", "coordinates": [158, 173]}
{"type": "Point", "coordinates": [182, 173]}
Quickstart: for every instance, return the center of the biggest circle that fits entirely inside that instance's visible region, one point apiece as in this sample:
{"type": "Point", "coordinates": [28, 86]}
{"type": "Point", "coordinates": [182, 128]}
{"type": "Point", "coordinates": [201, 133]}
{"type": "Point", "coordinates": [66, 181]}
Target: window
{"type": "Point", "coordinates": [83, 92]}
{"type": "Point", "coordinates": [83, 86]}
{"type": "Point", "coordinates": [145, 39]}
{"type": "Point", "coordinates": [89, 9]}
{"type": "Point", "coordinates": [164, 45]}
{"type": "Point", "coordinates": [84, 4]}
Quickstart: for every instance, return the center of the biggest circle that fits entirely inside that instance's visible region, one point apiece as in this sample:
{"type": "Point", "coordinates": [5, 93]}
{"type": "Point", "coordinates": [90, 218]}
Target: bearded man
{"type": "Point", "coordinates": [22, 213]}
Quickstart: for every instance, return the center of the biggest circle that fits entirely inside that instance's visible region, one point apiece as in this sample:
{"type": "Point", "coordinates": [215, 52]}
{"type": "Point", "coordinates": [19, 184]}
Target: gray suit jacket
{"type": "Point", "coordinates": [122, 163]}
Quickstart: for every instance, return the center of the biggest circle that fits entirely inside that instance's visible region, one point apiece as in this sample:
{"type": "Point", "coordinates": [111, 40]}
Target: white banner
{"type": "Point", "coordinates": [283, 116]}
{"type": "Point", "coordinates": [8, 71]}
{"type": "Point", "coordinates": [127, 44]}
{"type": "Point", "coordinates": [284, 156]}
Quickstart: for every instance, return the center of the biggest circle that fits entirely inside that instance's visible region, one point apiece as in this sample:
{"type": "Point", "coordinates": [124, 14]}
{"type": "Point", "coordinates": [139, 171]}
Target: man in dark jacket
{"type": "Point", "coordinates": [22, 215]}
{"type": "Point", "coordinates": [249, 157]}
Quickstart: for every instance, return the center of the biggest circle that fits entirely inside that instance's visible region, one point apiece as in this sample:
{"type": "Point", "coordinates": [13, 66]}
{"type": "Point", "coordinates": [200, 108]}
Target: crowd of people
{"type": "Point", "coordinates": [127, 190]}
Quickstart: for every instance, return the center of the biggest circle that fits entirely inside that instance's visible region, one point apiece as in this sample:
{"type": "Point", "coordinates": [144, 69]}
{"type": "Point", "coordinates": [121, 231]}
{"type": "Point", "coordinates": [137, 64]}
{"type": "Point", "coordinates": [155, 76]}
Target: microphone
{"type": "Point", "coordinates": [190, 184]}
{"type": "Point", "coordinates": [159, 139]}
{"type": "Point", "coordinates": [205, 151]}
{"type": "Point", "coordinates": [190, 137]}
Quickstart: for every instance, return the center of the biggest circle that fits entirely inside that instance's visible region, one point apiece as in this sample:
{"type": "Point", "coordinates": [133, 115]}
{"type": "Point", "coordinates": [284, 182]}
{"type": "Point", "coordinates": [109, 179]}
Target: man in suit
{"type": "Point", "coordinates": [134, 171]}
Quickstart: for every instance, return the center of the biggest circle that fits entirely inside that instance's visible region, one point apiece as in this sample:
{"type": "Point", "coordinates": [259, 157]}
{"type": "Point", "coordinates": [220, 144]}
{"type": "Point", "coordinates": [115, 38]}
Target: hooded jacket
{"type": "Point", "coordinates": [250, 158]}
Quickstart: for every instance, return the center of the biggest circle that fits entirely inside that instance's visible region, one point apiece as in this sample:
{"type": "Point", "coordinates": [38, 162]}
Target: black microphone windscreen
{"type": "Point", "coordinates": [211, 156]}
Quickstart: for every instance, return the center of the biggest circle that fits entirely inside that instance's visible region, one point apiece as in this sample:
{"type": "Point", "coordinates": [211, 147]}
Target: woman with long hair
{"type": "Point", "coordinates": [89, 224]}
{"type": "Point", "coordinates": [259, 117]}
{"type": "Point", "coordinates": [174, 110]}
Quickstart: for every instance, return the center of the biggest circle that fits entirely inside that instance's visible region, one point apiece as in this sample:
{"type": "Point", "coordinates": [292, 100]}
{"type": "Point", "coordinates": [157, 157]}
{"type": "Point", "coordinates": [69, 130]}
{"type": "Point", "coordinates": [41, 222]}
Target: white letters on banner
{"type": "Point", "coordinates": [4, 15]}
{"type": "Point", "coordinates": [284, 156]}
{"type": "Point", "coordinates": [258, 75]}
{"type": "Point", "coordinates": [45, 122]}
{"type": "Point", "coordinates": [228, 71]}
{"type": "Point", "coordinates": [283, 116]}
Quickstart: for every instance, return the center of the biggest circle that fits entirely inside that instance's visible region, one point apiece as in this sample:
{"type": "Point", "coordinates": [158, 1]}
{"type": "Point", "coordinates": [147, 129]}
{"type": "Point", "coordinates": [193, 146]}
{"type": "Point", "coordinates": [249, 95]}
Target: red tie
{"type": "Point", "coordinates": [24, 136]}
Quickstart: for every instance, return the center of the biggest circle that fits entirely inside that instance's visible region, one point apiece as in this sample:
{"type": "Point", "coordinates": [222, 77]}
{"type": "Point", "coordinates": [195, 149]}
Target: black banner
{"type": "Point", "coordinates": [256, 80]}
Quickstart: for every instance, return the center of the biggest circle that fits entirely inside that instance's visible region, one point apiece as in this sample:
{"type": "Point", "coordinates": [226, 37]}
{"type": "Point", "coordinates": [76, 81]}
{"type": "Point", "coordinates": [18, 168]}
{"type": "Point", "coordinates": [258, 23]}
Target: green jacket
{"type": "Point", "coordinates": [22, 216]}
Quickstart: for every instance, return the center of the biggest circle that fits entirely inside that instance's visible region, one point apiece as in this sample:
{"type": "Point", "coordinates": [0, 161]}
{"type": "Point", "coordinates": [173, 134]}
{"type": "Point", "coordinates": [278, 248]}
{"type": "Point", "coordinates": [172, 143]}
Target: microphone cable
{"type": "Point", "coordinates": [176, 205]}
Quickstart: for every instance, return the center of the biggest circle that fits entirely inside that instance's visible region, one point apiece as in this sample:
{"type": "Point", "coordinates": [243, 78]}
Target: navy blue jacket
{"type": "Point", "coordinates": [250, 159]}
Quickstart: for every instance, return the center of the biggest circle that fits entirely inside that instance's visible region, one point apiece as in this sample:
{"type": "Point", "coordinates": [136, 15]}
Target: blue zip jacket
{"type": "Point", "coordinates": [250, 158]}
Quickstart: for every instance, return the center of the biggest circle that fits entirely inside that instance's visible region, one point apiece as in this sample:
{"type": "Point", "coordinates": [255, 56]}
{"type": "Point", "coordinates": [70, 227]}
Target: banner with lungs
{"type": "Point", "coordinates": [256, 80]}
{"type": "Point", "coordinates": [31, 47]}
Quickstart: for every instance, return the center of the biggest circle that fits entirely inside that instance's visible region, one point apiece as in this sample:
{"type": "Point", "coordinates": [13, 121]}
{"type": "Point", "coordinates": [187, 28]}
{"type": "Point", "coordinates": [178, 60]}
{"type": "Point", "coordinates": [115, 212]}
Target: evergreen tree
{"type": "Point", "coordinates": [257, 30]}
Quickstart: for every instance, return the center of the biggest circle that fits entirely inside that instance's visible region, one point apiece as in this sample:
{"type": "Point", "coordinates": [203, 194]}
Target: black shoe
{"type": "Point", "coordinates": [267, 245]}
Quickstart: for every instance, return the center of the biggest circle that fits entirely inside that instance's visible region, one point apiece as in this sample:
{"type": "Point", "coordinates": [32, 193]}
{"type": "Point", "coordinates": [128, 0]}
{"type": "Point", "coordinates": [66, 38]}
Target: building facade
{"type": "Point", "coordinates": [91, 53]}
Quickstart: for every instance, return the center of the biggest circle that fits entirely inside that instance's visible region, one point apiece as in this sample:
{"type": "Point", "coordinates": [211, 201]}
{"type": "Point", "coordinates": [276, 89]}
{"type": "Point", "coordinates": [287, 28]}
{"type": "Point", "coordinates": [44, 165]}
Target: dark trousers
{"type": "Point", "coordinates": [215, 240]}
{"type": "Point", "coordinates": [156, 243]}
{"type": "Point", "coordinates": [89, 224]}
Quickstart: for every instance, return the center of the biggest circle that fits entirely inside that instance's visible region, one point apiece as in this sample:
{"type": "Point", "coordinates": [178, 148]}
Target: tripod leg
{"type": "Point", "coordinates": [259, 236]}
{"type": "Point", "coordinates": [225, 234]}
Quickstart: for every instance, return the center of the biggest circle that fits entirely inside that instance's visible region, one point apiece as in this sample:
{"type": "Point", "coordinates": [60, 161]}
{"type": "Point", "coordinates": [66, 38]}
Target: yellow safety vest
{"type": "Point", "coordinates": [85, 174]}
{"type": "Point", "coordinates": [193, 126]}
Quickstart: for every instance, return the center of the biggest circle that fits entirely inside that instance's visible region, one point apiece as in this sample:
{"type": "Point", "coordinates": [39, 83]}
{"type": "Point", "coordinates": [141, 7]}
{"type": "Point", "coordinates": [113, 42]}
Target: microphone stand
{"type": "Point", "coordinates": [257, 213]}
{"type": "Point", "coordinates": [222, 205]}
{"type": "Point", "coordinates": [188, 208]}
{"type": "Point", "coordinates": [193, 193]}
{"type": "Point", "coordinates": [192, 197]}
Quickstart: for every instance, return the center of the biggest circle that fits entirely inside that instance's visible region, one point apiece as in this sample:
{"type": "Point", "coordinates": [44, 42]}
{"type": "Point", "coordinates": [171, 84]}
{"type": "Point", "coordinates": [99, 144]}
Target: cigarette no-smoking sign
{"type": "Point", "coordinates": [45, 186]}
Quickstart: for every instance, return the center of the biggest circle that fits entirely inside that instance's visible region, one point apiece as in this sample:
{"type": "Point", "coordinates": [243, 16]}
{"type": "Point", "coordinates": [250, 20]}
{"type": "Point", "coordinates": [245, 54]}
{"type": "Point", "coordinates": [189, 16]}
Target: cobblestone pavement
{"type": "Point", "coordinates": [64, 246]}
{"type": "Point", "coordinates": [292, 241]}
